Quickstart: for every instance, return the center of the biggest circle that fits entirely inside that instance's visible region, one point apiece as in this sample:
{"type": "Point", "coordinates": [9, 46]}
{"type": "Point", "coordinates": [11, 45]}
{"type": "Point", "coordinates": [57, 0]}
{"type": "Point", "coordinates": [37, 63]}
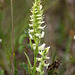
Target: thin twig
{"type": "Point", "coordinates": [12, 63]}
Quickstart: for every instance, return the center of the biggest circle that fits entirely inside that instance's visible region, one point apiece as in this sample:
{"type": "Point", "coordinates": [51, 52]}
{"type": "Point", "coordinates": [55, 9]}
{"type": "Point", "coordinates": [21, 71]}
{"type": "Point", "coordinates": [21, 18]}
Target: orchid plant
{"type": "Point", "coordinates": [36, 33]}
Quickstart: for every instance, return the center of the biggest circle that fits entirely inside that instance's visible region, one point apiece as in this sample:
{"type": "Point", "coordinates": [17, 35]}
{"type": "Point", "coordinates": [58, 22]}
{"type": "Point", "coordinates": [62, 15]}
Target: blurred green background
{"type": "Point", "coordinates": [59, 33]}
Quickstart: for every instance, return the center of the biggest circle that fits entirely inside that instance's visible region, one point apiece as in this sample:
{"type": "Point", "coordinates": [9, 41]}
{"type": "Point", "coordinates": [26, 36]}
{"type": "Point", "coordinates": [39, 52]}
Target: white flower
{"type": "Point", "coordinates": [41, 27]}
{"type": "Point", "coordinates": [38, 15]}
{"type": "Point", "coordinates": [47, 57]}
{"type": "Point", "coordinates": [35, 9]}
{"type": "Point", "coordinates": [36, 12]}
{"type": "Point", "coordinates": [74, 37]}
{"type": "Point", "coordinates": [0, 40]}
{"type": "Point", "coordinates": [39, 18]}
{"type": "Point", "coordinates": [31, 16]}
{"type": "Point", "coordinates": [42, 47]}
{"type": "Point", "coordinates": [37, 34]}
{"type": "Point", "coordinates": [30, 36]}
{"type": "Point", "coordinates": [30, 31]}
{"type": "Point", "coordinates": [40, 7]}
{"type": "Point", "coordinates": [47, 49]}
{"type": "Point", "coordinates": [38, 69]}
{"type": "Point", "coordinates": [39, 59]}
{"type": "Point", "coordinates": [46, 65]}
{"type": "Point", "coordinates": [42, 34]}
{"type": "Point", "coordinates": [42, 22]}
{"type": "Point", "coordinates": [32, 20]}
{"type": "Point", "coordinates": [34, 46]}
{"type": "Point", "coordinates": [40, 52]}
{"type": "Point", "coordinates": [30, 25]}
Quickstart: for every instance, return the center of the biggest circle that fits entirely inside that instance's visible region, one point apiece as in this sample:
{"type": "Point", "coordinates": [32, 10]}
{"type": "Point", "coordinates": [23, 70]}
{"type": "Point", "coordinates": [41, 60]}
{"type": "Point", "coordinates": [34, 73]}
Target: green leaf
{"type": "Point", "coordinates": [1, 72]}
{"type": "Point", "coordinates": [29, 64]}
{"type": "Point", "coordinates": [22, 37]}
{"type": "Point", "coordinates": [24, 66]}
{"type": "Point", "coordinates": [21, 48]}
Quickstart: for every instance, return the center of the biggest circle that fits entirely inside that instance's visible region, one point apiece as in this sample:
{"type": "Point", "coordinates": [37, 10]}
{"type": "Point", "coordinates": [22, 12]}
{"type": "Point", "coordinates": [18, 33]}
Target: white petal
{"type": "Point", "coordinates": [37, 34]}
{"type": "Point", "coordinates": [31, 20]}
{"type": "Point", "coordinates": [46, 65]}
{"type": "Point", "coordinates": [0, 40]}
{"type": "Point", "coordinates": [40, 53]}
{"type": "Point", "coordinates": [39, 59]}
{"type": "Point", "coordinates": [74, 37]}
{"type": "Point", "coordinates": [30, 25]}
{"type": "Point", "coordinates": [40, 6]}
{"type": "Point", "coordinates": [42, 27]}
{"type": "Point", "coordinates": [30, 36]}
{"type": "Point", "coordinates": [39, 18]}
{"type": "Point", "coordinates": [38, 15]}
{"type": "Point", "coordinates": [42, 22]}
{"type": "Point", "coordinates": [34, 46]}
{"type": "Point", "coordinates": [30, 31]}
{"type": "Point", "coordinates": [31, 16]}
{"type": "Point", "coordinates": [47, 57]}
{"type": "Point", "coordinates": [38, 69]}
{"type": "Point", "coordinates": [36, 11]}
{"type": "Point", "coordinates": [47, 49]}
{"type": "Point", "coordinates": [42, 35]}
{"type": "Point", "coordinates": [42, 47]}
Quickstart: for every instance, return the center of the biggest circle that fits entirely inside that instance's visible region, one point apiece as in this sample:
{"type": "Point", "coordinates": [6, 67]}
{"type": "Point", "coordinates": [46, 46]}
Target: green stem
{"type": "Point", "coordinates": [35, 61]}
{"type": "Point", "coordinates": [34, 72]}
